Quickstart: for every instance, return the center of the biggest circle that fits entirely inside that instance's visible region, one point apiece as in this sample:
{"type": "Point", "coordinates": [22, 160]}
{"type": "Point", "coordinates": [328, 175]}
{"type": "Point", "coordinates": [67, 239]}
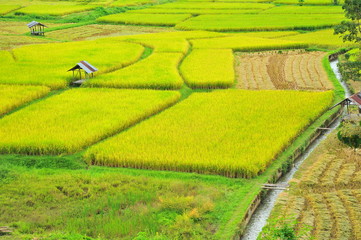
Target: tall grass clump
{"type": "Point", "coordinates": [67, 122]}
{"type": "Point", "coordinates": [235, 133]}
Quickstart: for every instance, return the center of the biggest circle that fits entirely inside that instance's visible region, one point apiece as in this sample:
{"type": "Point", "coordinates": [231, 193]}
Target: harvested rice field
{"type": "Point", "coordinates": [286, 70]}
{"type": "Point", "coordinates": [325, 194]}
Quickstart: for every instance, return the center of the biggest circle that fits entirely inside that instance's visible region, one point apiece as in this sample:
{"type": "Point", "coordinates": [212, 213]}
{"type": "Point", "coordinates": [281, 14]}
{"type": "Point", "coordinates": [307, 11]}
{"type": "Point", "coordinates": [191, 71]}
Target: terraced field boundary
{"type": "Point", "coordinates": [283, 163]}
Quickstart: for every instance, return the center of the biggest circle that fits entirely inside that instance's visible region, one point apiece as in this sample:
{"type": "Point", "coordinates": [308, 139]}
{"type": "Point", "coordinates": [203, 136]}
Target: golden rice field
{"type": "Point", "coordinates": [244, 43]}
{"type": "Point", "coordinates": [158, 71]}
{"type": "Point", "coordinates": [294, 70]}
{"type": "Point", "coordinates": [215, 121]}
{"type": "Point", "coordinates": [69, 121]}
{"type": "Point", "coordinates": [4, 9]}
{"type": "Point", "coordinates": [322, 38]}
{"type": "Point", "coordinates": [214, 5]}
{"type": "Point", "coordinates": [145, 19]}
{"type": "Point", "coordinates": [305, 10]}
{"type": "Point", "coordinates": [54, 10]}
{"type": "Point", "coordinates": [94, 31]}
{"type": "Point", "coordinates": [209, 68]}
{"type": "Point", "coordinates": [165, 45]}
{"type": "Point", "coordinates": [309, 2]}
{"type": "Point", "coordinates": [10, 27]}
{"type": "Point", "coordinates": [125, 3]}
{"type": "Point", "coordinates": [18, 67]}
{"type": "Point", "coordinates": [326, 193]}
{"type": "Point", "coordinates": [195, 11]}
{"type": "Point", "coordinates": [9, 42]}
{"type": "Point", "coordinates": [13, 96]}
{"type": "Point", "coordinates": [260, 22]}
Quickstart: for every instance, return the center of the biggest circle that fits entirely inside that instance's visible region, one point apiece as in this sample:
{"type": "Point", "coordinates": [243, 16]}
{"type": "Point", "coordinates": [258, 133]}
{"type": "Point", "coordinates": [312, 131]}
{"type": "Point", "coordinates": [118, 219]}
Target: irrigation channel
{"type": "Point", "coordinates": [260, 216]}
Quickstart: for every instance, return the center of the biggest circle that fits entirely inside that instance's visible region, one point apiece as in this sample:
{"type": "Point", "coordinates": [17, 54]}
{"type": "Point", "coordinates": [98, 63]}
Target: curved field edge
{"type": "Point", "coordinates": [235, 227]}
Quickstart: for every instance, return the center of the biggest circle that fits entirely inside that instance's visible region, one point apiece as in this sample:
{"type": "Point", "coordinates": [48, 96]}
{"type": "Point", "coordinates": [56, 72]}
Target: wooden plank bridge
{"type": "Point", "coordinates": [275, 186]}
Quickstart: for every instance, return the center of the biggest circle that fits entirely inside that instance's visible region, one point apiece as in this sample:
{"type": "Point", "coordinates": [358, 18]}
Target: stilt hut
{"type": "Point", "coordinates": [36, 28]}
{"type": "Point", "coordinates": [82, 71]}
{"type": "Point", "coordinates": [352, 100]}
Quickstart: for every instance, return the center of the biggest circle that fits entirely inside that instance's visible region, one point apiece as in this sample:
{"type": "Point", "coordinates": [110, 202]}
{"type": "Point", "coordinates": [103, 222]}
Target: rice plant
{"type": "Point", "coordinates": [21, 65]}
{"type": "Point", "coordinates": [209, 68]}
{"type": "Point", "coordinates": [145, 19]}
{"type": "Point", "coordinates": [245, 43]}
{"type": "Point", "coordinates": [158, 71]}
{"type": "Point", "coordinates": [13, 96]}
{"type": "Point", "coordinates": [4, 9]}
{"type": "Point", "coordinates": [67, 122]}
{"type": "Point", "coordinates": [260, 22]}
{"type": "Point", "coordinates": [234, 133]}
{"type": "Point", "coordinates": [322, 38]}
{"type": "Point", "coordinates": [57, 10]}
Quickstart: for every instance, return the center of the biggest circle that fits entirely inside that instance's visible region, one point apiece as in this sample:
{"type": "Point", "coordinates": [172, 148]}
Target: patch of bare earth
{"type": "Point", "coordinates": [295, 70]}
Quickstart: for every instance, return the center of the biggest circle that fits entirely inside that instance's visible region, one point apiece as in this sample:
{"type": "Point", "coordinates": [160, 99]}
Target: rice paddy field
{"type": "Point", "coordinates": [194, 105]}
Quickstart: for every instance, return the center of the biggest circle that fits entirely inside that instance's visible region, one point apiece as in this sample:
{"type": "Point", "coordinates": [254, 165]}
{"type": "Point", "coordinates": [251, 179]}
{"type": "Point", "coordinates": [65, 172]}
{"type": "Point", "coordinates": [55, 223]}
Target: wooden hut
{"type": "Point", "coordinates": [36, 28]}
{"type": "Point", "coordinates": [352, 100]}
{"type": "Point", "coordinates": [82, 71]}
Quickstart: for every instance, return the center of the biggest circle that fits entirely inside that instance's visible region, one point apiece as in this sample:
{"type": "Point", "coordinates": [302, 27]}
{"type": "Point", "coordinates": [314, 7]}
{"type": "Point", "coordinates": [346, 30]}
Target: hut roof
{"type": "Point", "coordinates": [355, 99]}
{"type": "Point", "coordinates": [87, 67]}
{"type": "Point", "coordinates": [34, 23]}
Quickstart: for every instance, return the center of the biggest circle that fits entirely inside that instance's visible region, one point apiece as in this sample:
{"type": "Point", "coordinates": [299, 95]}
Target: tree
{"type": "Point", "coordinates": [351, 29]}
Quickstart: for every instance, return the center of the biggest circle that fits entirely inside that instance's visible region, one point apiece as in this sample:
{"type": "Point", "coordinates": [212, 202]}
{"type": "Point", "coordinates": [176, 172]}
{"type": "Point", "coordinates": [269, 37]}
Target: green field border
{"type": "Point", "coordinates": [237, 225]}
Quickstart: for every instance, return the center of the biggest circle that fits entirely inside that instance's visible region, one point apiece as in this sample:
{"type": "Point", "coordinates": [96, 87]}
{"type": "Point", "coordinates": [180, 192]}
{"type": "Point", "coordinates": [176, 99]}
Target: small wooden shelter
{"type": "Point", "coordinates": [36, 28]}
{"type": "Point", "coordinates": [84, 67]}
{"type": "Point", "coordinates": [352, 100]}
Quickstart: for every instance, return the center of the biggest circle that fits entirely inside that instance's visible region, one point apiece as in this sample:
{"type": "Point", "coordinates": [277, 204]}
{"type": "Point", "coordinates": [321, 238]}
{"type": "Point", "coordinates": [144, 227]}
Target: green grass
{"type": "Point", "coordinates": [71, 120]}
{"type": "Point", "coordinates": [242, 42]}
{"type": "Point", "coordinates": [259, 22]}
{"type": "Point", "coordinates": [209, 68]}
{"type": "Point", "coordinates": [111, 204]}
{"type": "Point", "coordinates": [158, 71]}
{"type": "Point", "coordinates": [145, 19]}
{"type": "Point", "coordinates": [14, 96]}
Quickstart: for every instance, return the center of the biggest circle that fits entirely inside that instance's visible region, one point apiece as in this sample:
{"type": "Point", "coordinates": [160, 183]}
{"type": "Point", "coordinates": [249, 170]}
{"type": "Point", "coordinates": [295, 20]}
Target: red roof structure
{"type": "Point", "coordinates": [352, 100]}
